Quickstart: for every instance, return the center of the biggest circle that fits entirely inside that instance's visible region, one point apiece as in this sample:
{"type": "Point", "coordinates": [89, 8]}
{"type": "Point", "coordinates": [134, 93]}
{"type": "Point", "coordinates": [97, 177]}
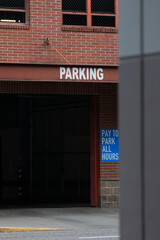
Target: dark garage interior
{"type": "Point", "coordinates": [44, 149]}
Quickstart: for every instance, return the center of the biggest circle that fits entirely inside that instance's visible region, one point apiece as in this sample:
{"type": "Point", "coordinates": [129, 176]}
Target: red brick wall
{"type": "Point", "coordinates": [27, 45]}
{"type": "Point", "coordinates": [108, 118]}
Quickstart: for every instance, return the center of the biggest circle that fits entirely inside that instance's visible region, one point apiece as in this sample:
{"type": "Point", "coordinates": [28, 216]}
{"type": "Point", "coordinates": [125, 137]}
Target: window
{"type": "Point", "coordinates": [13, 11]}
{"type": "Point", "coordinates": [90, 13]}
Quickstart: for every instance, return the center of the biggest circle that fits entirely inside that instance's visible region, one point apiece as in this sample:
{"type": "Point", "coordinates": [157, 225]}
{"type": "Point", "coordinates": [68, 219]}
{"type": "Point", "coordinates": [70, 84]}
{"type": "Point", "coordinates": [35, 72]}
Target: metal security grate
{"type": "Point", "coordinates": [102, 6]}
{"type": "Point", "coordinates": [74, 5]}
{"type": "Point", "coordinates": [12, 4]}
{"type": "Point", "coordinates": [103, 21]}
{"type": "Point", "coordinates": [12, 17]}
{"type": "Point", "coordinates": [79, 20]}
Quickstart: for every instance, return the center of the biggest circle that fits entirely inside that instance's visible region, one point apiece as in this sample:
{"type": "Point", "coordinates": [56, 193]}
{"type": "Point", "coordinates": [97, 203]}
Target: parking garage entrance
{"type": "Point", "coordinates": [44, 149]}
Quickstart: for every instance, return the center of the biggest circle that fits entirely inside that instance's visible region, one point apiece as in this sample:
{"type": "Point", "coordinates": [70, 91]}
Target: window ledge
{"type": "Point", "coordinates": [89, 29]}
{"type": "Point", "coordinates": [14, 26]}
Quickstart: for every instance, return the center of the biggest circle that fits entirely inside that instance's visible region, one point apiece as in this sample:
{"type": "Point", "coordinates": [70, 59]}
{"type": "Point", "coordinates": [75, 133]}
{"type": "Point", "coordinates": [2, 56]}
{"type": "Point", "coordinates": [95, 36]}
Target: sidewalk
{"type": "Point", "coordinates": [61, 218]}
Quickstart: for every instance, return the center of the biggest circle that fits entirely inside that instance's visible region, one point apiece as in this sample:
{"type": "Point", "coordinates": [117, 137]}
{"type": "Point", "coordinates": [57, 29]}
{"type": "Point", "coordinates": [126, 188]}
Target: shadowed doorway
{"type": "Point", "coordinates": [48, 141]}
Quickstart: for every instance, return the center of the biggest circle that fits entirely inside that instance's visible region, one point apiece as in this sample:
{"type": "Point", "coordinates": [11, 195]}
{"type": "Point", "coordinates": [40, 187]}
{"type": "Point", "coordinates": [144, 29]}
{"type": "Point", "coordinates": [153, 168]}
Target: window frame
{"type": "Point", "coordinates": [12, 24]}
{"type": "Point", "coordinates": [89, 15]}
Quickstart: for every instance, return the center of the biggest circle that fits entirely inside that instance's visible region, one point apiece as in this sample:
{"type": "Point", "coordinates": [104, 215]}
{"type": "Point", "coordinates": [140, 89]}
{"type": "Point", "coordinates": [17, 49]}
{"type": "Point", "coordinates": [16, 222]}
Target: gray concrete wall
{"type": "Point", "coordinates": [139, 119]}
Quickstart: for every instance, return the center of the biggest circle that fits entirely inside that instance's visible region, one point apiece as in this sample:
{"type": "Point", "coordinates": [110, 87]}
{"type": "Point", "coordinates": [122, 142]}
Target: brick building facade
{"type": "Point", "coordinates": [38, 40]}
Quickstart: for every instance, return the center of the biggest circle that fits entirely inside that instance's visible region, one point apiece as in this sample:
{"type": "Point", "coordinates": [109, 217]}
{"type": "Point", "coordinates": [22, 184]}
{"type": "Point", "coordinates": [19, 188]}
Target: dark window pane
{"type": "Point", "coordinates": [69, 19]}
{"type": "Point", "coordinates": [13, 17]}
{"type": "Point", "coordinates": [103, 21]}
{"type": "Point", "coordinates": [19, 4]}
{"type": "Point", "coordinates": [102, 6]}
{"type": "Point", "coordinates": [74, 5]}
